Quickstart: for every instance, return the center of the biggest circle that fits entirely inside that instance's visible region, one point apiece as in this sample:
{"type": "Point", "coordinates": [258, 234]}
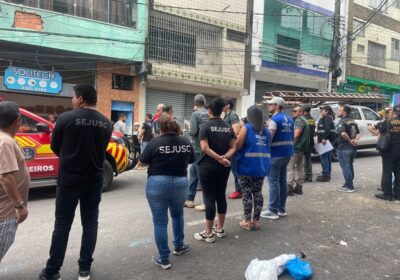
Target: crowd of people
{"type": "Point", "coordinates": [252, 149]}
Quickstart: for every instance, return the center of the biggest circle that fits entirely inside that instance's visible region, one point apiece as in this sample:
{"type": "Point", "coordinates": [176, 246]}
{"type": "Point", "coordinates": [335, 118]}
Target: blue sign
{"type": "Point", "coordinates": [48, 82]}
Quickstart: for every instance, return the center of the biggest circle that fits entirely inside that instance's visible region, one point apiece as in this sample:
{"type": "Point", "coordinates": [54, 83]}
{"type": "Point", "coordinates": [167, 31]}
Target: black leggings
{"type": "Point", "coordinates": [213, 178]}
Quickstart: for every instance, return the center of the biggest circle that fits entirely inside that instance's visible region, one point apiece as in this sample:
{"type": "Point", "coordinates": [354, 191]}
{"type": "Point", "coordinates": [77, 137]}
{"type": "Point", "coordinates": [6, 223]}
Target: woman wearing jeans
{"type": "Point", "coordinates": [253, 156]}
{"type": "Point", "coordinates": [217, 141]}
{"type": "Point", "coordinates": [168, 157]}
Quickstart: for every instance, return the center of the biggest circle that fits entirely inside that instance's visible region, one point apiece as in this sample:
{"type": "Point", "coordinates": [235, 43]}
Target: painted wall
{"type": "Point", "coordinates": [70, 33]}
{"type": "Point", "coordinates": [223, 67]}
{"type": "Point", "coordinates": [380, 35]}
{"type": "Point", "coordinates": [199, 10]}
{"type": "Point", "coordinates": [392, 11]}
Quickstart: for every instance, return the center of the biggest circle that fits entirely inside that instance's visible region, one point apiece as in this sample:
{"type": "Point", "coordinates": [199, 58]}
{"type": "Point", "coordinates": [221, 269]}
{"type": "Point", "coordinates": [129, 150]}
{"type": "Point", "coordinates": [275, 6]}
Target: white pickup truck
{"type": "Point", "coordinates": [363, 116]}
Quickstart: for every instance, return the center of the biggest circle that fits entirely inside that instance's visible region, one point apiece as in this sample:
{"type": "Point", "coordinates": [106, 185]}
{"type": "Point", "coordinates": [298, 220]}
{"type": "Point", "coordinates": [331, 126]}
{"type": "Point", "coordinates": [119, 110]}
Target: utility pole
{"type": "Point", "coordinates": [334, 70]}
{"type": "Point", "coordinates": [248, 47]}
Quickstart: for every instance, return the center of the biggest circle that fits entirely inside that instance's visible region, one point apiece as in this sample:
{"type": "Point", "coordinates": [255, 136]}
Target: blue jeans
{"type": "Point", "coordinates": [346, 160]}
{"type": "Point", "coordinates": [278, 184]}
{"type": "Point", "coordinates": [326, 163]}
{"type": "Point", "coordinates": [235, 176]}
{"type": "Point", "coordinates": [163, 193]}
{"type": "Point", "coordinates": [193, 178]}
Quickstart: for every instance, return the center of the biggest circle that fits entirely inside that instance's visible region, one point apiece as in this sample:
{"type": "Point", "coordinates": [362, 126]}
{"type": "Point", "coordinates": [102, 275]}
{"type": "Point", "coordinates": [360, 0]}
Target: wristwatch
{"type": "Point", "coordinates": [21, 205]}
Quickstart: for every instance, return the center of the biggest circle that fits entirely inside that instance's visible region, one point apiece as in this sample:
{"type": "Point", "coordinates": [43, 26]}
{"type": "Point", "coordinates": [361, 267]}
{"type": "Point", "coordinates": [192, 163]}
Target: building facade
{"type": "Point", "coordinates": [373, 50]}
{"type": "Point", "coordinates": [291, 45]}
{"type": "Point", "coordinates": [195, 47]}
{"type": "Point", "coordinates": [49, 46]}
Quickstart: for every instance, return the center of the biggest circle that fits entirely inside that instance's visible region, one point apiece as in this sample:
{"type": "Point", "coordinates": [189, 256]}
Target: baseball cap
{"type": "Point", "coordinates": [136, 123]}
{"type": "Point", "coordinates": [277, 100]}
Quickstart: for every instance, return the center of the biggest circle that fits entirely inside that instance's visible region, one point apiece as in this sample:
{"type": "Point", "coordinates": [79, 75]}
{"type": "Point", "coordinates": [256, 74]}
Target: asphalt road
{"type": "Point", "coordinates": [317, 222]}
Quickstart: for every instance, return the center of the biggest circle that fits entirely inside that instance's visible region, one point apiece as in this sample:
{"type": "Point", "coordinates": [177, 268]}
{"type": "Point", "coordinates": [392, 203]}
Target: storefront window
{"type": "Point", "coordinates": [112, 11]}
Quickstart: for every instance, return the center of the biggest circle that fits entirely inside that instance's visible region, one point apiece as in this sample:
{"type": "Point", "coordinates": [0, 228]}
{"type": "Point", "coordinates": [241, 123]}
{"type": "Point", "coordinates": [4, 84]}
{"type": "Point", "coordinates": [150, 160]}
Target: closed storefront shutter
{"type": "Point", "coordinates": [177, 100]}
{"type": "Point", "coordinates": [182, 104]}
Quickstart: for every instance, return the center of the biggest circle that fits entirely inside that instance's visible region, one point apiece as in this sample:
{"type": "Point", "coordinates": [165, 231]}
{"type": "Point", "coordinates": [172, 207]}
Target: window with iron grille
{"type": "Point", "coordinates": [172, 46]}
{"type": "Point", "coordinates": [376, 54]}
{"type": "Point", "coordinates": [120, 12]}
{"type": "Point", "coordinates": [181, 41]}
{"type": "Point", "coordinates": [395, 49]}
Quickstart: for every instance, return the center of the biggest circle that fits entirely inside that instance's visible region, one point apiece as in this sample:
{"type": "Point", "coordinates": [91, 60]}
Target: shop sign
{"type": "Point", "coordinates": [24, 79]}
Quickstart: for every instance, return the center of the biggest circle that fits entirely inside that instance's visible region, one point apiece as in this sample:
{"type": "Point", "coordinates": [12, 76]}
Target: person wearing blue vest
{"type": "Point", "coordinates": [253, 159]}
{"type": "Point", "coordinates": [281, 127]}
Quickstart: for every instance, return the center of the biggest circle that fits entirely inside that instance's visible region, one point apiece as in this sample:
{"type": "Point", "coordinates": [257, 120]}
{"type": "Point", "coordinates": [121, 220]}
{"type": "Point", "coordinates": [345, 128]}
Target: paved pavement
{"type": "Point", "coordinates": [318, 221]}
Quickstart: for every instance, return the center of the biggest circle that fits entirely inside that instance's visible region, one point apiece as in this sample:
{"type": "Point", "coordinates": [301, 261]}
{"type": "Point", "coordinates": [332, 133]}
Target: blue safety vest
{"type": "Point", "coordinates": [283, 142]}
{"type": "Point", "coordinates": [253, 159]}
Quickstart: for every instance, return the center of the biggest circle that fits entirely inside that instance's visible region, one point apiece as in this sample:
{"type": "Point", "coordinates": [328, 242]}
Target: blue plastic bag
{"type": "Point", "coordinates": [299, 269]}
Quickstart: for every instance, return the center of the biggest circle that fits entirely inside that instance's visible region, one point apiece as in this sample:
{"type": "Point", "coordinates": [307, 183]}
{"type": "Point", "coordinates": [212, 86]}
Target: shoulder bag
{"type": "Point", "coordinates": [384, 141]}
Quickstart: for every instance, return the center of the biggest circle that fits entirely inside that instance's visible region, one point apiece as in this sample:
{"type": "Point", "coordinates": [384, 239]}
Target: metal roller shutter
{"type": "Point", "coordinates": [177, 100]}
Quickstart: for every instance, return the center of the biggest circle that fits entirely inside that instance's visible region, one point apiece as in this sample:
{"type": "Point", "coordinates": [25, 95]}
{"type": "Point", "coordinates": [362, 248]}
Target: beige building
{"type": "Point", "coordinates": [373, 60]}
{"type": "Point", "coordinates": [194, 47]}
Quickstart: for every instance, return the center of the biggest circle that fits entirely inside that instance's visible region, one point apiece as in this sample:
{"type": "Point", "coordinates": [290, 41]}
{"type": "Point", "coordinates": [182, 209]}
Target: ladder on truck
{"type": "Point", "coordinates": [317, 98]}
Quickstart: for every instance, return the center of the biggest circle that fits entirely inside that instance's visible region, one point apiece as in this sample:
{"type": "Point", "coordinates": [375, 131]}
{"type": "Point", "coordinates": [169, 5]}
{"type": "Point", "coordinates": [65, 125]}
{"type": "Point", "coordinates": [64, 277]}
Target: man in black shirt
{"type": "Point", "coordinates": [146, 133]}
{"type": "Point", "coordinates": [80, 138]}
{"type": "Point", "coordinates": [348, 136]}
{"type": "Point", "coordinates": [391, 159]}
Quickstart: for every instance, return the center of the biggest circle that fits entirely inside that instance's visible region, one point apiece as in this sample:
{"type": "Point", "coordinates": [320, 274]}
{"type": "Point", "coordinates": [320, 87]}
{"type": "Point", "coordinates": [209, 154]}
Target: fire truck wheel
{"type": "Point", "coordinates": [108, 174]}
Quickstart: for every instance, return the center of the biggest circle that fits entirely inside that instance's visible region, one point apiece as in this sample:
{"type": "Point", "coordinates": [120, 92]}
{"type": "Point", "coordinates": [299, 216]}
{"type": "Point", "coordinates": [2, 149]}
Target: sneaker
{"type": "Point", "coordinates": [163, 264]}
{"type": "Point", "coordinates": [347, 190]}
{"type": "Point", "coordinates": [235, 195]}
{"type": "Point", "coordinates": [179, 251]}
{"type": "Point", "coordinates": [44, 276]}
{"type": "Point", "coordinates": [202, 236]}
{"type": "Point", "coordinates": [384, 196]}
{"type": "Point", "coordinates": [200, 207]}
{"type": "Point", "coordinates": [84, 275]}
{"type": "Point", "coordinates": [269, 215]}
{"type": "Point", "coordinates": [219, 232]}
{"type": "Point", "coordinates": [189, 204]}
{"type": "Point", "coordinates": [282, 214]}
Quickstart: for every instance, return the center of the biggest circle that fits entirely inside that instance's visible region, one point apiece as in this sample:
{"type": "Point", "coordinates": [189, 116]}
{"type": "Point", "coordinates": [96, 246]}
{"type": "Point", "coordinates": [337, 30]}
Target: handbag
{"type": "Point", "coordinates": [384, 142]}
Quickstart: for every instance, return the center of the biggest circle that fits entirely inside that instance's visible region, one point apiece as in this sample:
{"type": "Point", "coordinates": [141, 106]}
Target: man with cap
{"type": "Point", "coordinates": [199, 116]}
{"type": "Point", "coordinates": [14, 177]}
{"type": "Point", "coordinates": [307, 155]}
{"type": "Point", "coordinates": [281, 127]}
{"type": "Point", "coordinates": [348, 137]}
{"type": "Point", "coordinates": [326, 132]}
{"type": "Point", "coordinates": [391, 159]}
